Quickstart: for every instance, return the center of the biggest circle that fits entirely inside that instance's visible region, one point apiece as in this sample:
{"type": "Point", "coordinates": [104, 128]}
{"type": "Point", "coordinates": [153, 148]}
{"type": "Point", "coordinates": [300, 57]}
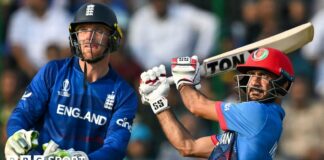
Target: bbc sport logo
{"type": "Point", "coordinates": [41, 157]}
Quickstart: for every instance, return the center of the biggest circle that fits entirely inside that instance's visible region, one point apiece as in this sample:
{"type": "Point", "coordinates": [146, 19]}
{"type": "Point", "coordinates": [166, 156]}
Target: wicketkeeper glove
{"type": "Point", "coordinates": [51, 151]}
{"type": "Point", "coordinates": [20, 143]}
{"type": "Point", "coordinates": [154, 88]}
{"type": "Point", "coordinates": [185, 70]}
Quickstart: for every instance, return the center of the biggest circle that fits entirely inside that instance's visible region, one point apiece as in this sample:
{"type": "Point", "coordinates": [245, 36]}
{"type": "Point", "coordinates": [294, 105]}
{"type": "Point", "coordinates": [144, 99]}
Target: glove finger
{"type": "Point", "coordinates": [156, 71]}
{"type": "Point", "coordinates": [162, 72]}
{"type": "Point", "coordinates": [51, 147]}
{"type": "Point", "coordinates": [195, 62]}
{"type": "Point", "coordinates": [145, 89]}
{"type": "Point", "coordinates": [21, 139]}
{"type": "Point", "coordinates": [144, 77]}
{"type": "Point", "coordinates": [31, 137]}
{"type": "Point", "coordinates": [194, 57]}
{"type": "Point", "coordinates": [152, 76]}
{"type": "Point", "coordinates": [10, 152]}
{"type": "Point", "coordinates": [16, 147]}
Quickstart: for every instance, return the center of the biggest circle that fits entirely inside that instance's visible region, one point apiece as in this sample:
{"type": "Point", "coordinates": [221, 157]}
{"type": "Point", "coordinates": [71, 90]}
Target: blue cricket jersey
{"type": "Point", "coordinates": [96, 119]}
{"type": "Point", "coordinates": [258, 127]}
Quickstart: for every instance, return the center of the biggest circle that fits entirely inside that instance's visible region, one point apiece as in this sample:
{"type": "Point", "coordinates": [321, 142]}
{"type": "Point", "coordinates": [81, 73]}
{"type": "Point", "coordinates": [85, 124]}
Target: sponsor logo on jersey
{"type": "Point", "coordinates": [227, 138]}
{"type": "Point", "coordinates": [227, 106]}
{"type": "Point", "coordinates": [26, 95]}
{"type": "Point", "coordinates": [90, 10]}
{"type": "Point", "coordinates": [65, 89]}
{"type": "Point", "coordinates": [76, 113]}
{"type": "Point", "coordinates": [110, 100]}
{"type": "Point", "coordinates": [124, 123]}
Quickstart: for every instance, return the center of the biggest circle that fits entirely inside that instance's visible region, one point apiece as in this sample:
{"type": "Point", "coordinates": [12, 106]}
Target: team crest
{"type": "Point", "coordinates": [260, 54]}
{"type": "Point", "coordinates": [90, 10]}
{"type": "Point", "coordinates": [110, 100]}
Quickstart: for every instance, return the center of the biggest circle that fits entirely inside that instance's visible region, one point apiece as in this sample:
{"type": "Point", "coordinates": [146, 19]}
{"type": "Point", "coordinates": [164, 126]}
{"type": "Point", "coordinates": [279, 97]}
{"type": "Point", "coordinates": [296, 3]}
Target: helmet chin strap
{"type": "Point", "coordinates": [85, 76]}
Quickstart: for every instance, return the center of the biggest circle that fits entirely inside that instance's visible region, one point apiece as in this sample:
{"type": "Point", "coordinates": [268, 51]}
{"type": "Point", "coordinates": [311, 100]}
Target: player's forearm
{"type": "Point", "coordinates": [177, 135]}
{"type": "Point", "coordinates": [197, 103]}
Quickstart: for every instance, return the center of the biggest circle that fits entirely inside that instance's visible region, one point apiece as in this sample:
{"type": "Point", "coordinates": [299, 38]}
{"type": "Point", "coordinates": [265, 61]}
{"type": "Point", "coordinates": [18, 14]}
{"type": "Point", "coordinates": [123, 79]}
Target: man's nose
{"type": "Point", "coordinates": [88, 35]}
{"type": "Point", "coordinates": [255, 80]}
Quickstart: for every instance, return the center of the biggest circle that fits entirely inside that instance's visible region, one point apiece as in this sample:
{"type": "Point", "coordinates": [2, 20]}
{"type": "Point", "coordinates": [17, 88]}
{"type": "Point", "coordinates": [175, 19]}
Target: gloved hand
{"type": "Point", "coordinates": [185, 70]}
{"type": "Point", "coordinates": [51, 151]}
{"type": "Point", "coordinates": [154, 88]}
{"type": "Point", "coordinates": [20, 143]}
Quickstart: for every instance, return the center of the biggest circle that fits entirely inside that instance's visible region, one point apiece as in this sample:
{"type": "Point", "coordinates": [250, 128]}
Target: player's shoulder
{"type": "Point", "coordinates": [58, 63]}
{"type": "Point", "coordinates": [119, 81]}
{"type": "Point", "coordinates": [55, 66]}
{"type": "Point", "coordinates": [253, 106]}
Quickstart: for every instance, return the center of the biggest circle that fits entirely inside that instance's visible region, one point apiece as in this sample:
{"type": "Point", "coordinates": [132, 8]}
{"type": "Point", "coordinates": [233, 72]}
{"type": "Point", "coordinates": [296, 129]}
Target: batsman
{"type": "Point", "coordinates": [252, 126]}
{"type": "Point", "coordinates": [79, 103]}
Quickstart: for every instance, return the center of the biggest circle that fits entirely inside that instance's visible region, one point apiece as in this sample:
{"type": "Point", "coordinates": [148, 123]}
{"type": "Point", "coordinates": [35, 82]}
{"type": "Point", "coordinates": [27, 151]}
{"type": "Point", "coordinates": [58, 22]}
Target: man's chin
{"type": "Point", "coordinates": [255, 98]}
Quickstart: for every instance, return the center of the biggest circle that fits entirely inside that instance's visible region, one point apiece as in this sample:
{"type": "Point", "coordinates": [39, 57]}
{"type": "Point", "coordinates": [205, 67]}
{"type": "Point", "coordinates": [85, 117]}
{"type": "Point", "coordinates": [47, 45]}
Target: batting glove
{"type": "Point", "coordinates": [185, 70]}
{"type": "Point", "coordinates": [154, 88]}
{"type": "Point", "coordinates": [51, 151]}
{"type": "Point", "coordinates": [20, 143]}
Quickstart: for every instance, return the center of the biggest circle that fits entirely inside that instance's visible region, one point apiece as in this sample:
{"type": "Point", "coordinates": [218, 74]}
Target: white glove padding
{"type": "Point", "coordinates": [51, 151]}
{"type": "Point", "coordinates": [185, 70]}
{"type": "Point", "coordinates": [154, 87]}
{"type": "Point", "coordinates": [20, 143]}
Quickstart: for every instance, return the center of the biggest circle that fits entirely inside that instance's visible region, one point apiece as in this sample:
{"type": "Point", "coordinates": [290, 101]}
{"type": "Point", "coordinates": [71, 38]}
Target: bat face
{"type": "Point", "coordinates": [224, 63]}
{"type": "Point", "coordinates": [286, 42]}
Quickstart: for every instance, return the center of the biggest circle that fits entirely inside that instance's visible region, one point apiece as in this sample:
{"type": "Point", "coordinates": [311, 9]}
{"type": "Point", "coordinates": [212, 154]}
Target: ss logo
{"type": "Point", "coordinates": [158, 104]}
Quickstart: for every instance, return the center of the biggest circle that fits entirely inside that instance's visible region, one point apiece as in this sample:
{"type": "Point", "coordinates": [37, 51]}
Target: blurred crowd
{"type": "Point", "coordinates": [33, 32]}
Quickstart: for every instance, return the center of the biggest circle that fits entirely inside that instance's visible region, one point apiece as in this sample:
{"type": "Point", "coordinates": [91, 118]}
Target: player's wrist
{"type": "Point", "coordinates": [182, 83]}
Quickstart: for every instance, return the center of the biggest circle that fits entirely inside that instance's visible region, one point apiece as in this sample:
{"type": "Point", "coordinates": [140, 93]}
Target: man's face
{"type": "Point", "coordinates": [93, 39]}
{"type": "Point", "coordinates": [259, 84]}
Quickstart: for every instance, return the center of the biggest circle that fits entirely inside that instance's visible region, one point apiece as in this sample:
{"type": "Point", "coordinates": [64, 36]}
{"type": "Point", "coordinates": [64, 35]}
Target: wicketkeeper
{"type": "Point", "coordinates": [79, 103]}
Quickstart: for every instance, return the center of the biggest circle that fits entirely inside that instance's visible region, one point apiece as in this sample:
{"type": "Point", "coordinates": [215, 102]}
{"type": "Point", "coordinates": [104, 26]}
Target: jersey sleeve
{"type": "Point", "coordinates": [119, 130]}
{"type": "Point", "coordinates": [214, 139]}
{"type": "Point", "coordinates": [32, 104]}
{"type": "Point", "coordinates": [247, 117]}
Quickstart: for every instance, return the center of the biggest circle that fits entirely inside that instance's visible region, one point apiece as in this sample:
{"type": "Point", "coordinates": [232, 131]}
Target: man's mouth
{"type": "Point", "coordinates": [255, 90]}
{"type": "Point", "coordinates": [93, 46]}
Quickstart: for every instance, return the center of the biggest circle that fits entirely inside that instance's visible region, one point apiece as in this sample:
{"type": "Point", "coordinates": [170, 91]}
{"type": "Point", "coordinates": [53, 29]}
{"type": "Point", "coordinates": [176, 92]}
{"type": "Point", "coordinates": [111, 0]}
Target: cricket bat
{"type": "Point", "coordinates": [287, 41]}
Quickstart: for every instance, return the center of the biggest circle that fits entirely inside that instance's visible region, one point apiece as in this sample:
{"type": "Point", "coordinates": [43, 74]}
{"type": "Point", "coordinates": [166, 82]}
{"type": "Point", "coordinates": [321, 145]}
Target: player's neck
{"type": "Point", "coordinates": [278, 101]}
{"type": "Point", "coordinates": [96, 70]}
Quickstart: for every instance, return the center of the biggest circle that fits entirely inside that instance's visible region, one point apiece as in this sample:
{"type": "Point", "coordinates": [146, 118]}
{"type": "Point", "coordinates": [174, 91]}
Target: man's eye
{"type": "Point", "coordinates": [82, 30]}
{"type": "Point", "coordinates": [99, 30]}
